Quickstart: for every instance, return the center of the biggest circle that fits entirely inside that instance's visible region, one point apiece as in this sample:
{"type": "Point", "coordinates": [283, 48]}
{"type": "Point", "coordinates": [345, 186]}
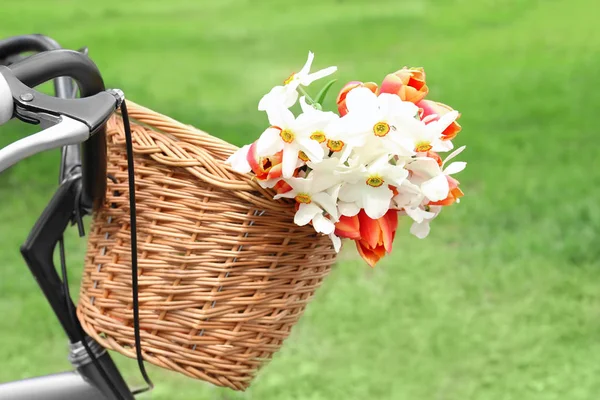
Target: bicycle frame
{"type": "Point", "coordinates": [68, 205]}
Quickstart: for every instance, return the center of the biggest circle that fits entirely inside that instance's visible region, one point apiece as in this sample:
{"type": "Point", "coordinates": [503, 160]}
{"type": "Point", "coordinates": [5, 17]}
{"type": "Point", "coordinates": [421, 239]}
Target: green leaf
{"type": "Point", "coordinates": [321, 96]}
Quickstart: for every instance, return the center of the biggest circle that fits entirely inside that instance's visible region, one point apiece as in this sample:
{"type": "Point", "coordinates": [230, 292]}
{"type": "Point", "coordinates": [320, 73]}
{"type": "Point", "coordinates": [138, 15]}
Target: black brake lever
{"type": "Point", "coordinates": [93, 111]}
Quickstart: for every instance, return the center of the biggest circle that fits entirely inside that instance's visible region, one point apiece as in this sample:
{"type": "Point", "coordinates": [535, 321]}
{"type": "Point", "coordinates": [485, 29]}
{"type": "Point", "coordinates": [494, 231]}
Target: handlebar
{"type": "Point", "coordinates": [48, 65]}
{"type": "Point", "coordinates": [93, 111]}
{"type": "Point", "coordinates": [45, 66]}
{"type": "Point", "coordinates": [14, 49]}
{"type": "Point", "coordinates": [14, 46]}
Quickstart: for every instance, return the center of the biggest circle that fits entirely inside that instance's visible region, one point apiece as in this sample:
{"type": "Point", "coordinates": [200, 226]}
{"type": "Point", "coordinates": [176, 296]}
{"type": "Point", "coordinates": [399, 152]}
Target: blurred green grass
{"type": "Point", "coordinates": [507, 305]}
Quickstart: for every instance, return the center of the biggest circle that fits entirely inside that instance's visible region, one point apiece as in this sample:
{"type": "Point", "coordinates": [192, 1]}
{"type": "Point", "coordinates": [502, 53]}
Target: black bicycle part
{"type": "Point", "coordinates": [38, 251]}
{"type": "Point", "coordinates": [48, 65]}
{"type": "Point", "coordinates": [65, 206]}
{"type": "Point", "coordinates": [12, 49]}
{"type": "Point", "coordinates": [134, 263]}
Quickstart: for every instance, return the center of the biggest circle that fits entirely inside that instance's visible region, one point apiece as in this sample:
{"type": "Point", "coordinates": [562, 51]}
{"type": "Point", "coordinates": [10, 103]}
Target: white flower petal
{"type": "Point", "coordinates": [396, 174]}
{"type": "Point", "coordinates": [337, 242]}
{"type": "Point", "coordinates": [311, 148]}
{"type": "Point", "coordinates": [280, 116]}
{"type": "Point", "coordinates": [239, 160]}
{"type": "Point", "coordinates": [334, 191]}
{"type": "Point", "coordinates": [269, 143]}
{"type": "Point", "coordinates": [445, 121]}
{"type": "Point", "coordinates": [420, 230]}
{"type": "Point", "coordinates": [291, 95]}
{"type": "Point", "coordinates": [442, 146]}
{"type": "Point", "coordinates": [361, 101]}
{"type": "Point", "coordinates": [327, 203]}
{"type": "Point", "coordinates": [348, 209]}
{"type": "Point", "coordinates": [300, 185]}
{"type": "Point", "coordinates": [376, 201]}
{"type": "Point", "coordinates": [306, 68]}
{"type": "Point", "coordinates": [455, 167]}
{"type": "Point", "coordinates": [290, 159]}
{"type": "Point", "coordinates": [352, 192]}
{"type": "Point", "coordinates": [425, 166]}
{"type": "Point", "coordinates": [274, 96]}
{"type": "Point", "coordinates": [436, 188]}
{"type": "Point", "coordinates": [409, 195]}
{"type": "Point", "coordinates": [453, 154]}
{"type": "Point", "coordinates": [315, 76]}
{"type": "Point", "coordinates": [390, 104]}
{"type": "Point", "coordinates": [306, 108]}
{"type": "Point", "coordinates": [418, 214]}
{"type": "Point", "coordinates": [305, 213]}
{"type": "Point", "coordinates": [322, 224]}
{"type": "Point", "coordinates": [287, 195]}
{"type": "Point", "coordinates": [402, 145]}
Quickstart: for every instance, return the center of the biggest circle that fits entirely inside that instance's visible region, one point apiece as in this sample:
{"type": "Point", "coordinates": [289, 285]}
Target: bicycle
{"type": "Point", "coordinates": [77, 126]}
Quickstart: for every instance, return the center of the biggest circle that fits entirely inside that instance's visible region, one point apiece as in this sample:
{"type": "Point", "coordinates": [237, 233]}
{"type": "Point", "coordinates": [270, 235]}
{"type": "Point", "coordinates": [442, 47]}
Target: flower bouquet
{"type": "Point", "coordinates": [353, 173]}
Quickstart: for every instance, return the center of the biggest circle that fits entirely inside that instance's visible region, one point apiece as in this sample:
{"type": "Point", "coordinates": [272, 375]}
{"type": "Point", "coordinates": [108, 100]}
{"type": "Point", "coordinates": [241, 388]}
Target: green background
{"type": "Point", "coordinates": [502, 301]}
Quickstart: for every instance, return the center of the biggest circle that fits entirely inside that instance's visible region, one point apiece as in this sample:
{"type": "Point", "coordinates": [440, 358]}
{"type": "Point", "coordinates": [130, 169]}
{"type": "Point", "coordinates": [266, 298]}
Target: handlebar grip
{"type": "Point", "coordinates": [6, 101]}
{"type": "Point", "coordinates": [48, 65]}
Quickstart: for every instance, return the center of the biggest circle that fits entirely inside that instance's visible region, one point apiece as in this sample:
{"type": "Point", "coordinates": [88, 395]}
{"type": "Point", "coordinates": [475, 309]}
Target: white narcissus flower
{"type": "Point", "coordinates": [409, 195]}
{"type": "Point", "coordinates": [335, 171]}
{"type": "Point", "coordinates": [292, 135]}
{"type": "Point", "coordinates": [314, 201]}
{"type": "Point", "coordinates": [431, 138]}
{"type": "Point", "coordinates": [288, 93]}
{"type": "Point", "coordinates": [428, 136]}
{"type": "Point", "coordinates": [382, 119]}
{"type": "Point", "coordinates": [329, 136]}
{"type": "Point", "coordinates": [370, 189]}
{"type": "Point", "coordinates": [432, 180]}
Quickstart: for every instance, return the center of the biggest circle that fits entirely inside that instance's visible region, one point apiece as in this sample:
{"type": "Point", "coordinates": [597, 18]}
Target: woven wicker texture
{"type": "Point", "coordinates": [224, 273]}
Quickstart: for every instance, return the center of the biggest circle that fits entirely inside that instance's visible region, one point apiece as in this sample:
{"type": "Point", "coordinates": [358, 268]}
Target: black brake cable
{"type": "Point", "coordinates": [134, 277]}
{"type": "Point", "coordinates": [134, 266]}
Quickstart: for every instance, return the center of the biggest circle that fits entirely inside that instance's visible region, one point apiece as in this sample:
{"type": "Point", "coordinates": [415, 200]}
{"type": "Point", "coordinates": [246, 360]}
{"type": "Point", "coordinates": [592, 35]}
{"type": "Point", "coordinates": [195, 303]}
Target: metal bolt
{"type": "Point", "coordinates": [26, 96]}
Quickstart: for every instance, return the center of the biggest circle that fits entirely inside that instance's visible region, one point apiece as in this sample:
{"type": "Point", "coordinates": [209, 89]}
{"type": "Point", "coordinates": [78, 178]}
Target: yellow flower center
{"type": "Point", "coordinates": [302, 155]}
{"type": "Point", "coordinates": [287, 136]}
{"type": "Point", "coordinates": [303, 198]}
{"type": "Point", "coordinates": [318, 136]}
{"type": "Point", "coordinates": [423, 146]}
{"type": "Point", "coordinates": [375, 181]}
{"type": "Point", "coordinates": [289, 78]}
{"type": "Point", "coordinates": [335, 145]}
{"type": "Point", "coordinates": [381, 129]}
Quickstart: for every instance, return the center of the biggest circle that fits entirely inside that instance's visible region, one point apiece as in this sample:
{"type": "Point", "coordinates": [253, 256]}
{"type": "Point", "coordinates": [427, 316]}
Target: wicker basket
{"type": "Point", "coordinates": [224, 273]}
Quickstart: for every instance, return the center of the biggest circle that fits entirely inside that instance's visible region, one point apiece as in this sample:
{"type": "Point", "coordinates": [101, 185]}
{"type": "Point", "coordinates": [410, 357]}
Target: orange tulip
{"type": "Point", "coordinates": [348, 227]}
{"type": "Point", "coordinates": [432, 111]}
{"type": "Point", "coordinates": [282, 187]}
{"type": "Point", "coordinates": [408, 83]}
{"type": "Point", "coordinates": [454, 194]}
{"type": "Point", "coordinates": [341, 99]}
{"type": "Point", "coordinates": [264, 168]}
{"type": "Point", "coordinates": [373, 237]}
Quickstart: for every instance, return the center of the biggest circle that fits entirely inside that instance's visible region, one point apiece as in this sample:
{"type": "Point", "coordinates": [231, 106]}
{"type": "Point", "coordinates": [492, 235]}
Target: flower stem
{"type": "Point", "coordinates": [309, 99]}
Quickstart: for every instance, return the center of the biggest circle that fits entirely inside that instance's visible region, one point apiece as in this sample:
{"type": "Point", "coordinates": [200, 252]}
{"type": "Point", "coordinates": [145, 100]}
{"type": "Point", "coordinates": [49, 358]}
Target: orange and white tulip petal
{"type": "Point", "coordinates": [408, 84]}
{"type": "Point", "coordinates": [348, 227]}
{"type": "Point", "coordinates": [238, 160]}
{"type": "Point", "coordinates": [370, 255]}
